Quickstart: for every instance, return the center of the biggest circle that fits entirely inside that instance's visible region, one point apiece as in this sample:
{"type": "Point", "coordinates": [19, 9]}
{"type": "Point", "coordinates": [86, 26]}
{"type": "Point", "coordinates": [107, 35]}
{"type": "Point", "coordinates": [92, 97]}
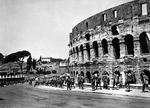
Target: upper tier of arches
{"type": "Point", "coordinates": [134, 8]}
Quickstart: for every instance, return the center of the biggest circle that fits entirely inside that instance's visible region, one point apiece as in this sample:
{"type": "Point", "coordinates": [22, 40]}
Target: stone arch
{"type": "Point", "coordinates": [88, 50]}
{"type": "Point", "coordinates": [95, 47]}
{"type": "Point", "coordinates": [114, 30]}
{"type": "Point", "coordinates": [82, 73]}
{"type": "Point", "coordinates": [117, 72]}
{"type": "Point", "coordinates": [54, 71]}
{"type": "Point", "coordinates": [144, 43]}
{"type": "Point", "coordinates": [129, 44]}
{"type": "Point", "coordinates": [87, 36]}
{"type": "Point", "coordinates": [95, 72]}
{"type": "Point", "coordinates": [87, 25]}
{"type": "Point", "coordinates": [88, 76]}
{"type": "Point", "coordinates": [82, 52]}
{"type": "Point", "coordinates": [116, 47]}
{"type": "Point", "coordinates": [77, 73]}
{"type": "Point", "coordinates": [77, 51]}
{"type": "Point", "coordinates": [105, 46]}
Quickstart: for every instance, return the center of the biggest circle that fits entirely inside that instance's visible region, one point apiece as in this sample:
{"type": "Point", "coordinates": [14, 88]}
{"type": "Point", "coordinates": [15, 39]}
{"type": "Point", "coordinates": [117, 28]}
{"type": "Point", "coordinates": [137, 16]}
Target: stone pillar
{"type": "Point", "coordinates": [77, 56]}
{"type": "Point", "coordinates": [92, 52]}
{"type": "Point", "coordinates": [136, 46]}
{"type": "Point", "coordinates": [73, 56]}
{"type": "Point", "coordinates": [85, 53]}
{"type": "Point", "coordinates": [110, 49]}
{"type": "Point", "coordinates": [80, 57]}
{"type": "Point", "coordinates": [122, 48]}
{"type": "Point", "coordinates": [137, 53]}
{"type": "Point", "coordinates": [100, 49]}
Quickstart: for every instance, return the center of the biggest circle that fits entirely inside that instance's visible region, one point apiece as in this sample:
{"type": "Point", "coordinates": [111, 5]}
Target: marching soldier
{"type": "Point", "coordinates": [68, 81]}
{"type": "Point", "coordinates": [144, 80]}
{"type": "Point", "coordinates": [98, 82]}
{"type": "Point", "coordinates": [129, 79]}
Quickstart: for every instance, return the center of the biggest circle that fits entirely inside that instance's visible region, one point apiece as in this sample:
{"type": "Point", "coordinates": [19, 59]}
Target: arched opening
{"type": "Point", "coordinates": [105, 46]}
{"type": "Point", "coordinates": [77, 73]}
{"type": "Point", "coordinates": [88, 76]}
{"type": "Point", "coordinates": [70, 43]}
{"type": "Point", "coordinates": [87, 25]}
{"type": "Point", "coordinates": [115, 30]}
{"type": "Point", "coordinates": [87, 36]}
{"type": "Point", "coordinates": [117, 72]}
{"type": "Point", "coordinates": [144, 43]}
{"type": "Point", "coordinates": [88, 50]}
{"type": "Point", "coordinates": [95, 47]}
{"type": "Point", "coordinates": [129, 45]}
{"type": "Point", "coordinates": [82, 73]}
{"type": "Point", "coordinates": [116, 46]}
{"type": "Point", "coordinates": [54, 71]}
{"type": "Point", "coordinates": [73, 52]}
{"type": "Point", "coordinates": [77, 52]}
{"type": "Point", "coordinates": [73, 73]}
{"type": "Point", "coordinates": [82, 53]}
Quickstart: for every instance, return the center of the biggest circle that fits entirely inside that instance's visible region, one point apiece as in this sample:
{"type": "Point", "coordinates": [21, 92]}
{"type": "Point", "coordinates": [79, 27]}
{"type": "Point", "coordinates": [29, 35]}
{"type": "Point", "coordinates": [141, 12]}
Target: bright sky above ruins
{"type": "Point", "coordinates": [43, 26]}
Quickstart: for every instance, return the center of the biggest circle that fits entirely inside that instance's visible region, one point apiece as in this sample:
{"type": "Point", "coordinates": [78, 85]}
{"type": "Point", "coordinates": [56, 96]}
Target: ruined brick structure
{"type": "Point", "coordinates": [115, 39]}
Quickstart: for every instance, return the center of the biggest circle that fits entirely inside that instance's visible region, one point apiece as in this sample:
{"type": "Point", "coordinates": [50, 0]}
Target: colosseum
{"type": "Point", "coordinates": [114, 40]}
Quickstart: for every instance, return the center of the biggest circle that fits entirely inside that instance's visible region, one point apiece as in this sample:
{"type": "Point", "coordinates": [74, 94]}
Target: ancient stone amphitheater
{"type": "Point", "coordinates": [117, 39]}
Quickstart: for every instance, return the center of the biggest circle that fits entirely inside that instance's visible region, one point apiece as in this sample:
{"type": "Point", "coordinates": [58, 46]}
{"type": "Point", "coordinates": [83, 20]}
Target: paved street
{"type": "Point", "coordinates": [25, 96]}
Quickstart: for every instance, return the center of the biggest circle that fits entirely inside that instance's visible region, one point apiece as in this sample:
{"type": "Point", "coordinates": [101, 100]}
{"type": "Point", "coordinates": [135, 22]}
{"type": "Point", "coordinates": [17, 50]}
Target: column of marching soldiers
{"type": "Point", "coordinates": [96, 82]}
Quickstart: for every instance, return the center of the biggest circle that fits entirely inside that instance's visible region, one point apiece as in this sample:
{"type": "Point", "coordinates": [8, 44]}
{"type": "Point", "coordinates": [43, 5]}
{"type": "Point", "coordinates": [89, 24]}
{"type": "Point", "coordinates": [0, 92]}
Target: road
{"type": "Point", "coordinates": [25, 96]}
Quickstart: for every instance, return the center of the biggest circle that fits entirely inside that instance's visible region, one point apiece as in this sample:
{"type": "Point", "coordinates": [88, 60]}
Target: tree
{"type": "Point", "coordinates": [1, 57]}
{"type": "Point", "coordinates": [17, 57]}
{"type": "Point", "coordinates": [29, 63]}
{"type": "Point", "coordinates": [34, 64]}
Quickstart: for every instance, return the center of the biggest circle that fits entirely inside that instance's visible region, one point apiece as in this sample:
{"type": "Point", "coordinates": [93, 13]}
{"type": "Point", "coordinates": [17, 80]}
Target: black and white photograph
{"type": "Point", "coordinates": [74, 53]}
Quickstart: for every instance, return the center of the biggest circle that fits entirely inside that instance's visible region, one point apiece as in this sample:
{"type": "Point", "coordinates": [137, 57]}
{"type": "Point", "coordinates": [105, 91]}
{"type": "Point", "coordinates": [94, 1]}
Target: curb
{"type": "Point", "coordinates": [97, 92]}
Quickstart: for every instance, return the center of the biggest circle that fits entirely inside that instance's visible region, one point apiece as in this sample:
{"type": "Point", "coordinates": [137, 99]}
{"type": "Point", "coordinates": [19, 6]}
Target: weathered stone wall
{"type": "Point", "coordinates": [129, 21]}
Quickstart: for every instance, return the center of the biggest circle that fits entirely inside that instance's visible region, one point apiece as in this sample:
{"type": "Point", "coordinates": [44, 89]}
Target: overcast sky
{"type": "Point", "coordinates": [43, 26]}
